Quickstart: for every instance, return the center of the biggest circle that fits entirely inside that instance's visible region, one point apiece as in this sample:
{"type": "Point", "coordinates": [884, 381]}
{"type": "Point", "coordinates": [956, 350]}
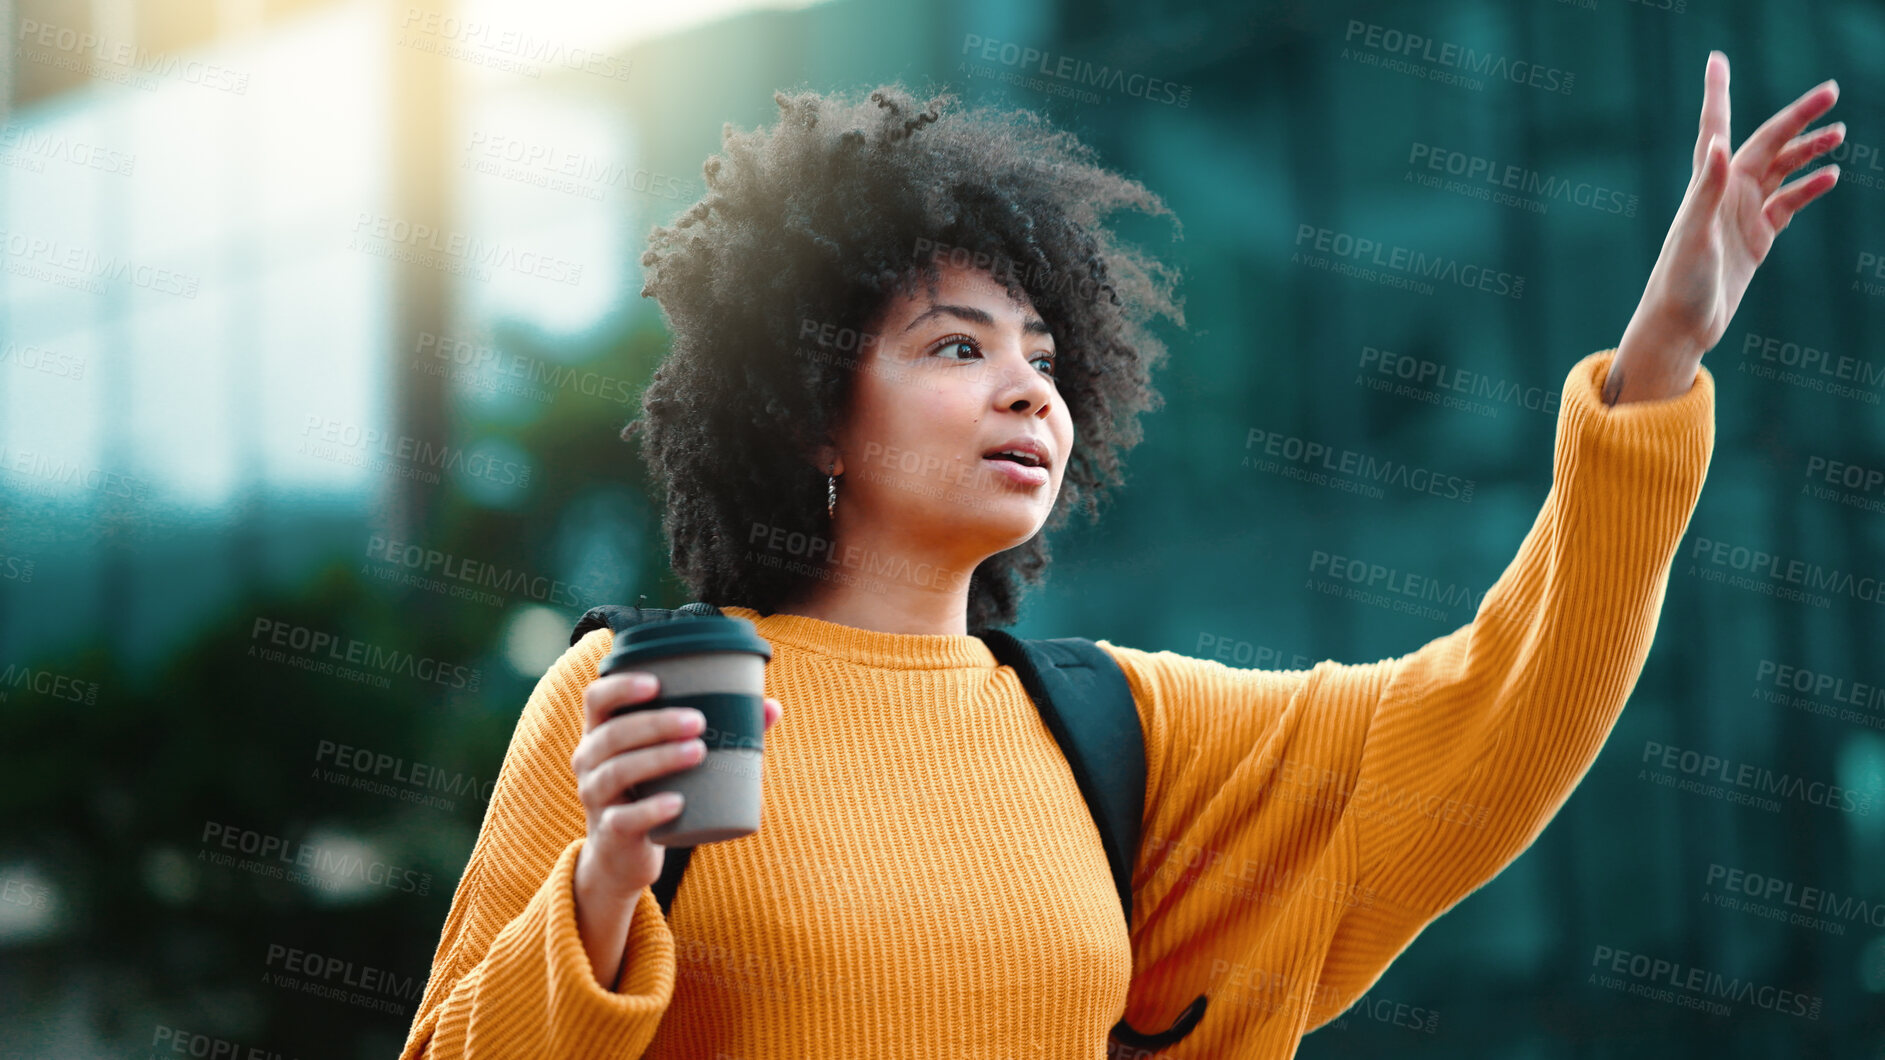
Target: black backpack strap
{"type": "Point", "coordinates": [1087, 705]}
{"type": "Point", "coordinates": [619, 617]}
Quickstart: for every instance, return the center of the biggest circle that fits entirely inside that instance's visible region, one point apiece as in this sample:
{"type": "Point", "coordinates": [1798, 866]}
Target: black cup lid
{"type": "Point", "coordinates": [691, 635]}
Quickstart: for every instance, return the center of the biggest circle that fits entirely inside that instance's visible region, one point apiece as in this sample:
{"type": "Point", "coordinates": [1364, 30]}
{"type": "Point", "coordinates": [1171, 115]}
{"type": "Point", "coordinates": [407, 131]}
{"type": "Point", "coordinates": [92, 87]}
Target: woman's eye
{"type": "Point", "coordinates": [953, 345]}
{"type": "Point", "coordinates": [1049, 359]}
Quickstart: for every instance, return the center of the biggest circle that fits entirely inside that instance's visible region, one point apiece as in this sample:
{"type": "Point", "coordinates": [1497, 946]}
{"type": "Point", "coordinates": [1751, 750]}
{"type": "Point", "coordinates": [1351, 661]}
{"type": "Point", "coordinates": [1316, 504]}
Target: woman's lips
{"type": "Point", "coordinates": [1019, 474]}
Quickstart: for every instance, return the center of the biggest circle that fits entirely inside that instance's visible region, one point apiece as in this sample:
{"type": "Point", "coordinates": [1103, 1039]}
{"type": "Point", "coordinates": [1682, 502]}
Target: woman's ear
{"type": "Point", "coordinates": [827, 460]}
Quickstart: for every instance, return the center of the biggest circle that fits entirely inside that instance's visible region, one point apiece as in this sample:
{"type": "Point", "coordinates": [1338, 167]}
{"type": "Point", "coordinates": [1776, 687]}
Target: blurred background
{"type": "Point", "coordinates": [318, 319]}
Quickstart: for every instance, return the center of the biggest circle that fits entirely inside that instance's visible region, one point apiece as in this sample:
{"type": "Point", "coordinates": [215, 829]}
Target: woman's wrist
{"type": "Point", "coordinates": [603, 919]}
{"type": "Point", "coordinates": [1652, 363]}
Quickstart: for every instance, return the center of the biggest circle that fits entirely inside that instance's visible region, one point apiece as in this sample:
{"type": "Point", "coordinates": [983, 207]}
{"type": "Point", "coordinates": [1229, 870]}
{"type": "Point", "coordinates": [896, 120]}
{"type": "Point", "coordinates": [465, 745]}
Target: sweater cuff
{"type": "Point", "coordinates": [1648, 433]}
{"type": "Point", "coordinates": [1584, 390]}
{"type": "Point", "coordinates": [583, 1010]}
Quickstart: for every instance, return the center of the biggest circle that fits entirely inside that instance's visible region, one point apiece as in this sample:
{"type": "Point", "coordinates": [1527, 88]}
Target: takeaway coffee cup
{"type": "Point", "coordinates": [717, 665]}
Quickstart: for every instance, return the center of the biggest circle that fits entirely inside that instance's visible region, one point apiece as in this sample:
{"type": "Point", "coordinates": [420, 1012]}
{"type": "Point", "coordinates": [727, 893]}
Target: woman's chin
{"type": "Point", "coordinates": [1011, 522]}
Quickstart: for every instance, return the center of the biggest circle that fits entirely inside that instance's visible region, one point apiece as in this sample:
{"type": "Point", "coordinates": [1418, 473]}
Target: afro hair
{"type": "Point", "coordinates": [821, 220]}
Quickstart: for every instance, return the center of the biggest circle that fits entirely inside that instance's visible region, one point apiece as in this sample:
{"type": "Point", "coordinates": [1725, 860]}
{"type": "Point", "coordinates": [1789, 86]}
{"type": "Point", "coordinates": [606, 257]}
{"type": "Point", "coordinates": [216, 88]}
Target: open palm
{"type": "Point", "coordinates": [1733, 209]}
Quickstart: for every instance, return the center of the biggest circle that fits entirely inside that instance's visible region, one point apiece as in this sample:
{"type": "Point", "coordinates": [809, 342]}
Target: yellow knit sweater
{"type": "Point", "coordinates": [927, 881]}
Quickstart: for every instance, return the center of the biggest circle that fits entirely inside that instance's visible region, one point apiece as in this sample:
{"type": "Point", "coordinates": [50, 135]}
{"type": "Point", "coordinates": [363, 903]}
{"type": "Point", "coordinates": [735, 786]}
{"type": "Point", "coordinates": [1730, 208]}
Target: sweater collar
{"type": "Point", "coordinates": [869, 647]}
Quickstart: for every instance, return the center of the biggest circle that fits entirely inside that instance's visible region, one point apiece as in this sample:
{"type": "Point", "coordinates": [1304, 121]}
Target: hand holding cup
{"type": "Point", "coordinates": [676, 714]}
{"type": "Point", "coordinates": [619, 752]}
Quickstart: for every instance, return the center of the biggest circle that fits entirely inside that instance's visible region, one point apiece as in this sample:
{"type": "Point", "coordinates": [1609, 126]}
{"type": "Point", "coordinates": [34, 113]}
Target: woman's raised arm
{"type": "Point", "coordinates": [1303, 826]}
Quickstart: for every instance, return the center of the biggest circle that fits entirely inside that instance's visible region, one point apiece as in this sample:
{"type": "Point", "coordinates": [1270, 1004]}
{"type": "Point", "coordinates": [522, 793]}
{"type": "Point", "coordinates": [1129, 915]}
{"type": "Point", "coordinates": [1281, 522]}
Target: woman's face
{"type": "Point", "coordinates": [944, 382]}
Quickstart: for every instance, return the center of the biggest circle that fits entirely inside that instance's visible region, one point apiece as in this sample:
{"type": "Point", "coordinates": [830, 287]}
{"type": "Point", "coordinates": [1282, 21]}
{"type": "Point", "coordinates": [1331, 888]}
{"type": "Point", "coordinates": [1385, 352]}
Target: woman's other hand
{"type": "Point", "coordinates": [1734, 207]}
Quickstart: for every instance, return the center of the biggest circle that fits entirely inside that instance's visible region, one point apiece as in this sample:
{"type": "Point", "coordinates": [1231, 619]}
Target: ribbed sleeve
{"type": "Point", "coordinates": [510, 977]}
{"type": "Point", "coordinates": [1302, 827]}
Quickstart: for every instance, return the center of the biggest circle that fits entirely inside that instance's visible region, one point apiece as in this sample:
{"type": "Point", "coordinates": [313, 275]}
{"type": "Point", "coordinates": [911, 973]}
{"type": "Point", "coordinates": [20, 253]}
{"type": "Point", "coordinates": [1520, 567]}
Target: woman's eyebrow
{"type": "Point", "coordinates": [1032, 326]}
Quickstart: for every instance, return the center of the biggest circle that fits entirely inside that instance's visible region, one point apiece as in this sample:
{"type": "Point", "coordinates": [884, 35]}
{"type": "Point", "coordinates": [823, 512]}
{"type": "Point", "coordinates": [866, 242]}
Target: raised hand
{"type": "Point", "coordinates": [1734, 207]}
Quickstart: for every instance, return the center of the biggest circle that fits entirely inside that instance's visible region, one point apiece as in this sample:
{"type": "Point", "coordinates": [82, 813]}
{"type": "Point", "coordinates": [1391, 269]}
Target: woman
{"type": "Point", "coordinates": [903, 336]}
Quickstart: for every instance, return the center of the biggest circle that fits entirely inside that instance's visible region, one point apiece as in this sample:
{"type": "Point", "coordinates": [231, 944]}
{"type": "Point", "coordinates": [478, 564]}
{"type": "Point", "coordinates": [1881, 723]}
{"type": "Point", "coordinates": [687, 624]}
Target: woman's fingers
{"type": "Point", "coordinates": [1705, 190]}
{"type": "Point", "coordinates": [640, 728]}
{"type": "Point", "coordinates": [1786, 202]}
{"type": "Point", "coordinates": [604, 694]}
{"type": "Point", "coordinates": [610, 782]}
{"type": "Point", "coordinates": [629, 750]}
{"type": "Point", "coordinates": [626, 822]}
{"type": "Point", "coordinates": [1799, 151]}
{"type": "Point", "coordinates": [1714, 106]}
{"type": "Point", "coordinates": [1715, 173]}
{"type": "Point", "coordinates": [1760, 149]}
{"type": "Point", "coordinates": [635, 729]}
